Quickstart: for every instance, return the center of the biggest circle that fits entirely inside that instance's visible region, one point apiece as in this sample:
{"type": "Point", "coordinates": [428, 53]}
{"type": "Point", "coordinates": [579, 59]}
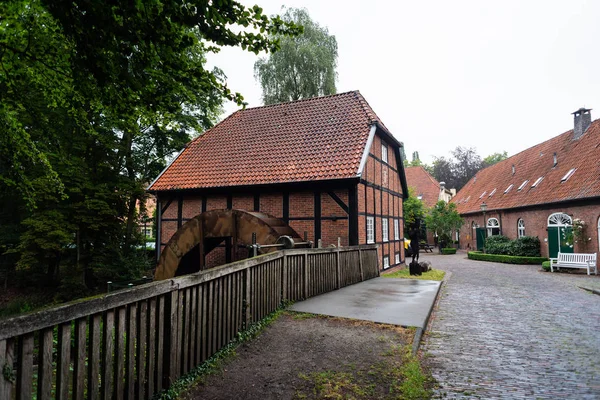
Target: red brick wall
{"type": "Point", "coordinates": [536, 223]}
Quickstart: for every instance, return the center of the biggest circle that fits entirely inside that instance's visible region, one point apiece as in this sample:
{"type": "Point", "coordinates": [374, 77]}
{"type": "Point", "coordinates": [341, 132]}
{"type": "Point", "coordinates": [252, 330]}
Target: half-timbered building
{"type": "Point", "coordinates": [327, 166]}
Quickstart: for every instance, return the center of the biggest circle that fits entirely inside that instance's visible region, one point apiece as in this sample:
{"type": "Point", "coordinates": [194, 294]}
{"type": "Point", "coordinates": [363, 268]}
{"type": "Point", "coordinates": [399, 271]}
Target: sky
{"type": "Point", "coordinates": [493, 75]}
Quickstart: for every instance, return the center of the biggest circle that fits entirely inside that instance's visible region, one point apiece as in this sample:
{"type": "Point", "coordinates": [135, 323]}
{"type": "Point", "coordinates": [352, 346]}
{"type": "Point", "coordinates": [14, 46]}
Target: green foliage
{"type": "Point", "coordinates": [431, 275]}
{"type": "Point", "coordinates": [448, 250]}
{"type": "Point", "coordinates": [494, 158]}
{"type": "Point", "coordinates": [412, 208]}
{"type": "Point", "coordinates": [443, 219]}
{"type": "Point", "coordinates": [527, 246]}
{"type": "Point", "coordinates": [304, 66]}
{"type": "Point", "coordinates": [479, 256]}
{"type": "Point", "coordinates": [546, 266]}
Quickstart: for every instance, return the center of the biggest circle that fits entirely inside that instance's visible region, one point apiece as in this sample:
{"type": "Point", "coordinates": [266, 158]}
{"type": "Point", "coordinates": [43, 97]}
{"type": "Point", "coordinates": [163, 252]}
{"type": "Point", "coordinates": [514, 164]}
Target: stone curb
{"type": "Point", "coordinates": [420, 331]}
{"type": "Point", "coordinates": [594, 291]}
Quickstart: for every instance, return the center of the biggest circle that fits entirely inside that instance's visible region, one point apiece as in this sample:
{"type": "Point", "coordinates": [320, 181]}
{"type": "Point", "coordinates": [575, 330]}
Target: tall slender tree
{"type": "Point", "coordinates": [304, 67]}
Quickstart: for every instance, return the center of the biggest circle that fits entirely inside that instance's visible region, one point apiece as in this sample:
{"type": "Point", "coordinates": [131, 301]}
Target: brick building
{"type": "Point", "coordinates": [428, 190]}
{"type": "Point", "coordinates": [540, 192]}
{"type": "Point", "coordinates": [326, 166]}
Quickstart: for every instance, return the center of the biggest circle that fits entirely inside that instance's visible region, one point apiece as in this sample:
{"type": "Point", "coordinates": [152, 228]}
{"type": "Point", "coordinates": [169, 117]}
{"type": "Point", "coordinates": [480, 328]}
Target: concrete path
{"type": "Point", "coordinates": [404, 302]}
{"type": "Point", "coordinates": [512, 332]}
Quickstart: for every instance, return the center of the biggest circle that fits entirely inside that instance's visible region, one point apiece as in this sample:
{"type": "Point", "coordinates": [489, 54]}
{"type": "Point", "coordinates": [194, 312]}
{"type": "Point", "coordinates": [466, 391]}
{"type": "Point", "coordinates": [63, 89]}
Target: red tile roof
{"type": "Point", "coordinates": [314, 139]}
{"type": "Point", "coordinates": [423, 184]}
{"type": "Point", "coordinates": [533, 163]}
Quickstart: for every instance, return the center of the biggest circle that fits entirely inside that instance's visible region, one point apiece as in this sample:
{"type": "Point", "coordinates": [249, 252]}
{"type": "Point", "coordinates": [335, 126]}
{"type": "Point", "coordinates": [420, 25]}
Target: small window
{"type": "Point", "coordinates": [397, 258]}
{"type": "Point", "coordinates": [396, 229]}
{"type": "Point", "coordinates": [521, 228]}
{"type": "Point", "coordinates": [370, 230]}
{"type": "Point", "coordinates": [384, 229]}
{"type": "Point", "coordinates": [523, 185]}
{"type": "Point", "coordinates": [482, 194]}
{"type": "Point", "coordinates": [568, 175]}
{"type": "Point", "coordinates": [492, 193]}
{"type": "Point", "coordinates": [508, 188]}
{"type": "Point", "coordinates": [386, 262]}
{"type": "Point", "coordinates": [420, 197]}
{"type": "Point", "coordinates": [537, 181]}
{"type": "Point", "coordinates": [467, 200]}
{"type": "Point", "coordinates": [384, 153]}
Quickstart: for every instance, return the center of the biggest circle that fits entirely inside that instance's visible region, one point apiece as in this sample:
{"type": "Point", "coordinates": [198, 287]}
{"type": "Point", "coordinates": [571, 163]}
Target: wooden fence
{"type": "Point", "coordinates": [132, 344]}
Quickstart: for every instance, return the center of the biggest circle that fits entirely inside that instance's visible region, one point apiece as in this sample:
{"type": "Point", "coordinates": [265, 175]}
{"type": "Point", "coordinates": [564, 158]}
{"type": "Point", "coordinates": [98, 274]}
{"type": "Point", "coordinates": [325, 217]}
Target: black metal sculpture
{"type": "Point", "coordinates": [413, 234]}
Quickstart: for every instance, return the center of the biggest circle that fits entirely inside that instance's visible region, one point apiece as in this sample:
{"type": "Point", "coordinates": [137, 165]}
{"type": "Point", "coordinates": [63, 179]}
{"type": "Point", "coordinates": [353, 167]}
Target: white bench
{"type": "Point", "coordinates": [574, 260]}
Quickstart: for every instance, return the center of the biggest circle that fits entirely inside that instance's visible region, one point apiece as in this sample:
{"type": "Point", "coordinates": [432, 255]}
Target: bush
{"type": "Point", "coordinates": [498, 244]}
{"type": "Point", "coordinates": [448, 250]}
{"type": "Point", "coordinates": [546, 266]}
{"type": "Point", "coordinates": [479, 256]}
{"type": "Point", "coordinates": [527, 246]}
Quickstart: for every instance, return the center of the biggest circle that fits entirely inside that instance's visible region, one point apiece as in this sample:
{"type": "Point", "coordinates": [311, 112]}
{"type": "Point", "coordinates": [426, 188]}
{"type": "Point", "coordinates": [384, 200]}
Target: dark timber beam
{"type": "Point", "coordinates": [317, 215]}
{"type": "Point", "coordinates": [353, 215]}
{"type": "Point", "coordinates": [343, 205]}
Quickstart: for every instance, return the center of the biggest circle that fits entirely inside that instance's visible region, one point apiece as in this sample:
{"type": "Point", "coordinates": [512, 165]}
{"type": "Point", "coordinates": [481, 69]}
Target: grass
{"type": "Point", "coordinates": [399, 374]}
{"type": "Point", "coordinates": [432, 275]}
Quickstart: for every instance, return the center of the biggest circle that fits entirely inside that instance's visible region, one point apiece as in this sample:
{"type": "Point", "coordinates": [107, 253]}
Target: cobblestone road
{"type": "Point", "coordinates": [512, 332]}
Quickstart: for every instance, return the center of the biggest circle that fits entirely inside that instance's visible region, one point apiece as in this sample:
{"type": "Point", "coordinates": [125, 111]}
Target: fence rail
{"type": "Point", "coordinates": [132, 344]}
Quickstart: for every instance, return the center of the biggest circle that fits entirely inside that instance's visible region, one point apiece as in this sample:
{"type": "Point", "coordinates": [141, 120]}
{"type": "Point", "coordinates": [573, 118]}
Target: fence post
{"type": "Point", "coordinates": [337, 267]}
{"type": "Point", "coordinates": [171, 335]}
{"type": "Point", "coordinates": [306, 275]}
{"type": "Point", "coordinates": [6, 358]}
{"type": "Point", "coordinates": [284, 278]}
{"type": "Point", "coordinates": [247, 317]}
{"type": "Point", "coordinates": [360, 265]}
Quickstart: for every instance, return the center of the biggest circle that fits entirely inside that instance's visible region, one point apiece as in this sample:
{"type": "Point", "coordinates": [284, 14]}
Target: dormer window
{"type": "Point", "coordinates": [537, 181]}
{"type": "Point", "coordinates": [482, 194]}
{"type": "Point", "coordinates": [508, 188]}
{"type": "Point", "coordinates": [493, 191]}
{"type": "Point", "coordinates": [568, 175]}
{"type": "Point", "coordinates": [467, 199]}
{"type": "Point", "coordinates": [384, 153]}
{"type": "Point", "coordinates": [523, 185]}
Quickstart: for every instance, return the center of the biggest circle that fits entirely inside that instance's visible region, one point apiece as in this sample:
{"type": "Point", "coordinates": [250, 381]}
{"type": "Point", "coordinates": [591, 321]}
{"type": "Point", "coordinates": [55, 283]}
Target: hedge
{"type": "Point", "coordinates": [546, 266]}
{"type": "Point", "coordinates": [448, 250]}
{"type": "Point", "coordinates": [479, 256]}
{"type": "Point", "coordinates": [528, 246]}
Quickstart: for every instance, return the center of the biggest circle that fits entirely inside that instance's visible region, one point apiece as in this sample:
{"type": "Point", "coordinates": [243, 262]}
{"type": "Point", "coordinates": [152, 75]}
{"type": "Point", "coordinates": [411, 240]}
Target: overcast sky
{"type": "Point", "coordinates": [494, 75]}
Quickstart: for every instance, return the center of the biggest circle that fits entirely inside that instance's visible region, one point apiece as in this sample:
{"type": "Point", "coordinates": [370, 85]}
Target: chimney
{"type": "Point", "coordinates": [442, 186]}
{"type": "Point", "coordinates": [583, 119]}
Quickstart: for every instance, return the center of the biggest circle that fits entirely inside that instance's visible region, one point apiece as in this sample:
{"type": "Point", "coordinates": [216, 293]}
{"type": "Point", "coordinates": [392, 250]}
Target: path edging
{"type": "Point", "coordinates": [420, 331]}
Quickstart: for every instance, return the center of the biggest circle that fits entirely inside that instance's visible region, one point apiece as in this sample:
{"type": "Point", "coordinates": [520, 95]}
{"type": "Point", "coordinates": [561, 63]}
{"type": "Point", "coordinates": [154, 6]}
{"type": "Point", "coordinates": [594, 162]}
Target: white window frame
{"type": "Point", "coordinates": [520, 228]}
{"type": "Point", "coordinates": [386, 262]}
{"type": "Point", "coordinates": [508, 188]}
{"type": "Point", "coordinates": [385, 229]}
{"type": "Point", "coordinates": [491, 194]}
{"type": "Point", "coordinates": [522, 185]}
{"type": "Point", "coordinates": [397, 258]}
{"type": "Point", "coordinates": [370, 230]}
{"type": "Point", "coordinates": [568, 175]}
{"type": "Point", "coordinates": [537, 182]}
{"type": "Point", "coordinates": [492, 223]}
{"type": "Point", "coordinates": [396, 229]}
{"type": "Point", "coordinates": [482, 194]}
{"type": "Point", "coordinates": [384, 153]}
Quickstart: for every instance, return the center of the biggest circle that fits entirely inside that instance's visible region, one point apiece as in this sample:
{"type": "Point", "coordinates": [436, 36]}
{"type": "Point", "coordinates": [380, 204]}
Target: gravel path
{"type": "Point", "coordinates": [511, 331]}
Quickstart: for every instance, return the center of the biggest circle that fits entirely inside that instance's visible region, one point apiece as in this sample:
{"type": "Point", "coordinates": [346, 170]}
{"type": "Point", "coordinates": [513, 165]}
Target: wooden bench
{"type": "Point", "coordinates": [426, 247]}
{"type": "Point", "coordinates": [575, 260]}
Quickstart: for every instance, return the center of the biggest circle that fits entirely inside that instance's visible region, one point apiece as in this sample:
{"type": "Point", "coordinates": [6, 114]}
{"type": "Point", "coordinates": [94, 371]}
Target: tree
{"type": "Point", "coordinates": [412, 208]}
{"type": "Point", "coordinates": [95, 96]}
{"type": "Point", "coordinates": [457, 171]}
{"type": "Point", "coordinates": [444, 219]}
{"type": "Point", "coordinates": [305, 65]}
{"type": "Point", "coordinates": [494, 158]}
{"type": "Point", "coordinates": [443, 171]}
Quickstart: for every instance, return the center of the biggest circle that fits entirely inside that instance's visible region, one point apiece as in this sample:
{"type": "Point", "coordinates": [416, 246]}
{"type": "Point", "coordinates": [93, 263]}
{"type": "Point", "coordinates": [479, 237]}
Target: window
{"type": "Point", "coordinates": [420, 197]}
{"type": "Point", "coordinates": [370, 230]}
{"type": "Point", "coordinates": [384, 153]}
{"type": "Point", "coordinates": [520, 228]}
{"type": "Point", "coordinates": [482, 194]}
{"type": "Point", "coordinates": [568, 175]}
{"type": "Point", "coordinates": [397, 258]}
{"type": "Point", "coordinates": [148, 231]}
{"type": "Point", "coordinates": [508, 188]}
{"type": "Point", "coordinates": [396, 230]}
{"type": "Point", "coordinates": [538, 180]}
{"type": "Point", "coordinates": [384, 229]}
{"type": "Point", "coordinates": [493, 191]}
{"type": "Point", "coordinates": [386, 262]}
{"type": "Point", "coordinates": [523, 185]}
{"type": "Point", "coordinates": [493, 227]}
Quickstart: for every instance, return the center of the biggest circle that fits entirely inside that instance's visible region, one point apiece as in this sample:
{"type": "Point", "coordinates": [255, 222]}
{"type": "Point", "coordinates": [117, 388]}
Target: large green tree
{"type": "Point", "coordinates": [304, 67]}
{"type": "Point", "coordinates": [444, 219]}
{"type": "Point", "coordinates": [93, 97]}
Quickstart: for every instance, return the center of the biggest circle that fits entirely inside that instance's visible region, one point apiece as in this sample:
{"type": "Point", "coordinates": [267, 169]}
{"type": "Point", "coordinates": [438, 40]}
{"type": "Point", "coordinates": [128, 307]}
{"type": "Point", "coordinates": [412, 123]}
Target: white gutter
{"type": "Point", "coordinates": [365, 156]}
{"type": "Point", "coordinates": [167, 167]}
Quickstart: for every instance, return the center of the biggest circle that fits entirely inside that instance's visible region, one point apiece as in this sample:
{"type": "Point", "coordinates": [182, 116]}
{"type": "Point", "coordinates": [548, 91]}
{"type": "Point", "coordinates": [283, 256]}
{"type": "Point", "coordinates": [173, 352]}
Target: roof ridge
{"type": "Point", "coordinates": [299, 100]}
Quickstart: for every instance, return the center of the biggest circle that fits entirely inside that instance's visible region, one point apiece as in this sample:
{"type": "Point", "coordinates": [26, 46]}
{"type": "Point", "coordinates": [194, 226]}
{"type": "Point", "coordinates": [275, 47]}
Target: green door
{"type": "Point", "coordinates": [480, 234]}
{"type": "Point", "coordinates": [560, 238]}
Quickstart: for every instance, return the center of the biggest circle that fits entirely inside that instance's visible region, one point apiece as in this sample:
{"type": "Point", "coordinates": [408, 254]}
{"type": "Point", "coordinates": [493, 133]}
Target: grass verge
{"type": "Point", "coordinates": [432, 275]}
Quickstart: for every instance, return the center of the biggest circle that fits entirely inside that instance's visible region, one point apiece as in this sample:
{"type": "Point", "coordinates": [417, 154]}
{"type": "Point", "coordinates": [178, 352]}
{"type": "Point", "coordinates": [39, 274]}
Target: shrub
{"type": "Point", "coordinates": [528, 246]}
{"type": "Point", "coordinates": [448, 250]}
{"type": "Point", "coordinates": [546, 266]}
{"type": "Point", "coordinates": [498, 244]}
{"type": "Point", "coordinates": [476, 255]}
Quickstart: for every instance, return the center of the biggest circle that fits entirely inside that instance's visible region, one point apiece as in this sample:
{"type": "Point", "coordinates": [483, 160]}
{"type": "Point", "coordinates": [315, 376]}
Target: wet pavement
{"type": "Point", "coordinates": [404, 302]}
{"type": "Point", "coordinates": [513, 332]}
